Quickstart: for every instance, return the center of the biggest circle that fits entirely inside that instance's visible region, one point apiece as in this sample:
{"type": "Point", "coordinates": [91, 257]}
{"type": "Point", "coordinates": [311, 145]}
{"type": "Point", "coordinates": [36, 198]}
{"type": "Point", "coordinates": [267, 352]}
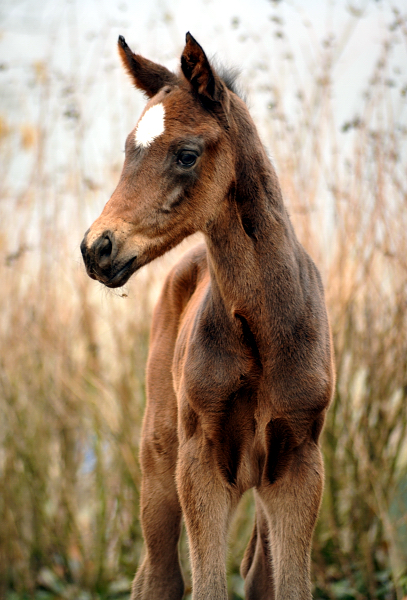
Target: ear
{"type": "Point", "coordinates": [198, 71]}
{"type": "Point", "coordinates": [146, 75]}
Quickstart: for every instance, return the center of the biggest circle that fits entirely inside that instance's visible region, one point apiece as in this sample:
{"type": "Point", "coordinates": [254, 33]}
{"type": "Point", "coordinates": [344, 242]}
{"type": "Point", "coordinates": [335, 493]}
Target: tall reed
{"type": "Point", "coordinates": [72, 355]}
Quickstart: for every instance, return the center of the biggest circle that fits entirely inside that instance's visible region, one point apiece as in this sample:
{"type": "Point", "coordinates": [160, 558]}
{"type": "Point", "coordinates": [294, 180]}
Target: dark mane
{"type": "Point", "coordinates": [230, 77]}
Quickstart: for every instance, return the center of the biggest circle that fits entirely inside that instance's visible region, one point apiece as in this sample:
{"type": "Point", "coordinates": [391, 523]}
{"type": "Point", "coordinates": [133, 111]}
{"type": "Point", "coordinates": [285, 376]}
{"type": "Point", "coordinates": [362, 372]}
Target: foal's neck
{"type": "Point", "coordinates": [253, 252]}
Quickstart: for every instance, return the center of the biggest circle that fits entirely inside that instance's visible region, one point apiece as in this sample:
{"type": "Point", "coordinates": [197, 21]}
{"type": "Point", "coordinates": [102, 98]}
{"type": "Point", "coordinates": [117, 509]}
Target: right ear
{"type": "Point", "coordinates": [147, 76]}
{"type": "Point", "coordinates": [198, 71]}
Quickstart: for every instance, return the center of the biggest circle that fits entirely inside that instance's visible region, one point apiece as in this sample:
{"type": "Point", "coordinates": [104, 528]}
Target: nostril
{"type": "Point", "coordinates": [105, 248]}
{"type": "Point", "coordinates": [104, 252]}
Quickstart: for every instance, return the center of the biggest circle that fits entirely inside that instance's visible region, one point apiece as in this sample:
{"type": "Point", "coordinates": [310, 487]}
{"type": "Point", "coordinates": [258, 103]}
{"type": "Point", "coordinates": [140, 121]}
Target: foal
{"type": "Point", "coordinates": [240, 369]}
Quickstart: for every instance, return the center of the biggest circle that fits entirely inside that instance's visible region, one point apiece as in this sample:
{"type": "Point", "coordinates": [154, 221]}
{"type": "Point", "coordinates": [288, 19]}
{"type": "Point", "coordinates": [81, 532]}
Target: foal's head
{"type": "Point", "coordinates": [179, 166]}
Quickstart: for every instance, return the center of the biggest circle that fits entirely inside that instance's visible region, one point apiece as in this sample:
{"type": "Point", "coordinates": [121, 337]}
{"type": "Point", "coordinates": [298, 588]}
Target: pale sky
{"type": "Point", "coordinates": [76, 41]}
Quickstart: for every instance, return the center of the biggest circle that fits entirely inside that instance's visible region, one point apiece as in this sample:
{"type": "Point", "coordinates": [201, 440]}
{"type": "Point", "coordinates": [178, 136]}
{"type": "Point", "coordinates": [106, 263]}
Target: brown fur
{"type": "Point", "coordinates": [240, 369]}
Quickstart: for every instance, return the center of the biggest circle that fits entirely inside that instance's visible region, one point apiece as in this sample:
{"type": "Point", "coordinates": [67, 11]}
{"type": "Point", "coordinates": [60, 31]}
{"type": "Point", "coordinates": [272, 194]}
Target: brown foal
{"type": "Point", "coordinates": [240, 369]}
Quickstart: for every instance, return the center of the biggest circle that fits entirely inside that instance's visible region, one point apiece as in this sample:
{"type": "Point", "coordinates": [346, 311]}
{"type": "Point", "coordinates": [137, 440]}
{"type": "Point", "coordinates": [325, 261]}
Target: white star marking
{"type": "Point", "coordinates": [150, 126]}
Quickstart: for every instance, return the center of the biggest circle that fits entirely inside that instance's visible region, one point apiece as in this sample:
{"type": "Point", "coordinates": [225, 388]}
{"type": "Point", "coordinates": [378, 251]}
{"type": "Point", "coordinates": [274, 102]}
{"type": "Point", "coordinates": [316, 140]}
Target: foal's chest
{"type": "Point", "coordinates": [211, 362]}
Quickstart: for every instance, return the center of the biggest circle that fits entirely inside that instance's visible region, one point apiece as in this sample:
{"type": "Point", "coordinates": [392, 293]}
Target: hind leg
{"type": "Point", "coordinates": [159, 576]}
{"type": "Point", "coordinates": [256, 567]}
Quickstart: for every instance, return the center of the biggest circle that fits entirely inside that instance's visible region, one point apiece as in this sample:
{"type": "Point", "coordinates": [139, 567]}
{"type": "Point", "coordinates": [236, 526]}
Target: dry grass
{"type": "Point", "coordinates": [72, 359]}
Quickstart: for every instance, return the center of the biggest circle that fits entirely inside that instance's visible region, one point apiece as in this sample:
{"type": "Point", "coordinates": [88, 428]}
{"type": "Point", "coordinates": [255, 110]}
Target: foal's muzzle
{"type": "Point", "coordinates": [102, 263]}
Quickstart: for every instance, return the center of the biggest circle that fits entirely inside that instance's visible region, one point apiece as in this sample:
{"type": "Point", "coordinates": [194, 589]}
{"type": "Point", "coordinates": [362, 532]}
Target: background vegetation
{"type": "Point", "coordinates": [72, 354]}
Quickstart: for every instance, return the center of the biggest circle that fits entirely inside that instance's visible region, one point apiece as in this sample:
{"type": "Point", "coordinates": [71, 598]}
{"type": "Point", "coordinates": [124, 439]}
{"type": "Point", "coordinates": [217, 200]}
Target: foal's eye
{"type": "Point", "coordinates": [186, 158]}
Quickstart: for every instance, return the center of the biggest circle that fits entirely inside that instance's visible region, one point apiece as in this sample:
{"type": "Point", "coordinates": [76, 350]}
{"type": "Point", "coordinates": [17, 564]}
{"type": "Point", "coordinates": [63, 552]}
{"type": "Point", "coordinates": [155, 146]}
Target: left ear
{"type": "Point", "coordinates": [147, 76]}
{"type": "Point", "coordinates": [198, 71]}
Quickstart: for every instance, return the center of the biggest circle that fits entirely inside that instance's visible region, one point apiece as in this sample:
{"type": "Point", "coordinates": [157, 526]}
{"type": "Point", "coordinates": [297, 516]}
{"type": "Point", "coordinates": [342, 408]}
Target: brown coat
{"type": "Point", "coordinates": [240, 369]}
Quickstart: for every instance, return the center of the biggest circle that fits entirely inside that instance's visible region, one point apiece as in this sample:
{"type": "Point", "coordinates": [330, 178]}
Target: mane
{"type": "Point", "coordinates": [230, 77]}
